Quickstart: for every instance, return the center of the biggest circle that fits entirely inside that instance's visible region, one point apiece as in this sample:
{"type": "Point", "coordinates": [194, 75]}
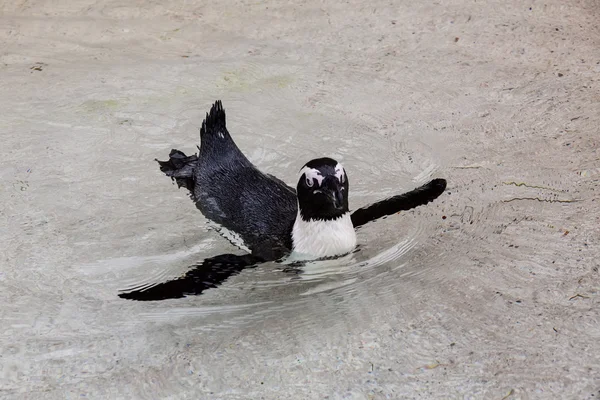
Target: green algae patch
{"type": "Point", "coordinates": [100, 105]}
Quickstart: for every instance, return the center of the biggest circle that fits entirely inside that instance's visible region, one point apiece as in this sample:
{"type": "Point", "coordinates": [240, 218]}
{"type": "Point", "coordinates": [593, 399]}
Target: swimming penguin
{"type": "Point", "coordinates": [271, 218]}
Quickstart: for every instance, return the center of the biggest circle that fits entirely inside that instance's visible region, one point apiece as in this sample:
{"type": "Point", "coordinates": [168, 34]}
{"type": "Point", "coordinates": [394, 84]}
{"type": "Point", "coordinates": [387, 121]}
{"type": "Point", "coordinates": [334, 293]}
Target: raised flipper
{"type": "Point", "coordinates": [206, 275]}
{"type": "Point", "coordinates": [418, 197]}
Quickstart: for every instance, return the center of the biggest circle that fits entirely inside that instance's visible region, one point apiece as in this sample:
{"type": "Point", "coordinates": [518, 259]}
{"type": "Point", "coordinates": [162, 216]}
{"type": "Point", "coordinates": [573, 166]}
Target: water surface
{"type": "Point", "coordinates": [490, 291]}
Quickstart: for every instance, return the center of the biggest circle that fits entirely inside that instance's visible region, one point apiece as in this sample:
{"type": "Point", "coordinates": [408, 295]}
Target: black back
{"type": "Point", "coordinates": [230, 191]}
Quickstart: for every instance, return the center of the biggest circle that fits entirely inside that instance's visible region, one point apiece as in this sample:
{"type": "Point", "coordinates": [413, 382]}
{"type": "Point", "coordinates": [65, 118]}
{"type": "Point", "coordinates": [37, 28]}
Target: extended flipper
{"type": "Point", "coordinates": [402, 202]}
{"type": "Point", "coordinates": [208, 274]}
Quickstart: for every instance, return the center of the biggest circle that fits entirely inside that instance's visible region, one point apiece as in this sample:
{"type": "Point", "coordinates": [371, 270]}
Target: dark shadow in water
{"type": "Point", "coordinates": [206, 275]}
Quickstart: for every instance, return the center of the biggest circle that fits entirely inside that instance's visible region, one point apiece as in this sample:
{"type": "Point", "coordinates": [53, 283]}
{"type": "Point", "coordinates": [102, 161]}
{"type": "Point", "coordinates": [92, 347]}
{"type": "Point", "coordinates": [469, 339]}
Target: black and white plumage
{"type": "Point", "coordinates": [272, 218]}
{"type": "Point", "coordinates": [232, 192]}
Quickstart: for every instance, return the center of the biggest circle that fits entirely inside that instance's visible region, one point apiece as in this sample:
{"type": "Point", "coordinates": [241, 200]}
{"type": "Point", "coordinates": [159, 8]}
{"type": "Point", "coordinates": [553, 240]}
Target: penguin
{"type": "Point", "coordinates": [266, 216]}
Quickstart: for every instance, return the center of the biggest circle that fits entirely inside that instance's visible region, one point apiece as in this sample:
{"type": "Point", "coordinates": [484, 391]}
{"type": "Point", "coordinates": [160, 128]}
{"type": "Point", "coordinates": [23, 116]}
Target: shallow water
{"type": "Point", "coordinates": [491, 291]}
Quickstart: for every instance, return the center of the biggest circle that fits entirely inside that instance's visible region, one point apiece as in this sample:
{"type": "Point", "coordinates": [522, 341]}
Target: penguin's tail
{"type": "Point", "coordinates": [180, 168]}
{"type": "Point", "coordinates": [214, 123]}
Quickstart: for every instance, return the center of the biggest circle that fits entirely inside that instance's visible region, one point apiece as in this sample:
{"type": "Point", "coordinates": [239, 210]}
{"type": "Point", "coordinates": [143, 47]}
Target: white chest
{"type": "Point", "coordinates": [324, 238]}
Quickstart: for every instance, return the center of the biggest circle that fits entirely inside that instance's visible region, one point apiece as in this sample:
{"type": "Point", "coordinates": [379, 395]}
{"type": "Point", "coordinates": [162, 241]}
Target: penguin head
{"type": "Point", "coordinates": [322, 190]}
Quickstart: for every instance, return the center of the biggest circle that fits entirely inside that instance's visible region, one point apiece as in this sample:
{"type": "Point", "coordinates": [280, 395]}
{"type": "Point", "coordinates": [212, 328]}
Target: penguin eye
{"type": "Point", "coordinates": [309, 182]}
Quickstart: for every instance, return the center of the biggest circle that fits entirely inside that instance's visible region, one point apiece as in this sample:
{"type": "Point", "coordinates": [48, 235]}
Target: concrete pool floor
{"type": "Point", "coordinates": [489, 292]}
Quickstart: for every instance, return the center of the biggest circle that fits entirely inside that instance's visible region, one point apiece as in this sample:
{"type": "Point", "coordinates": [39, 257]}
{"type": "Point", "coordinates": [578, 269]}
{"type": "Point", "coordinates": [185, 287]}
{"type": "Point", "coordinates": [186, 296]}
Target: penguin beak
{"type": "Point", "coordinates": [335, 192]}
{"type": "Point", "coordinates": [338, 199]}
